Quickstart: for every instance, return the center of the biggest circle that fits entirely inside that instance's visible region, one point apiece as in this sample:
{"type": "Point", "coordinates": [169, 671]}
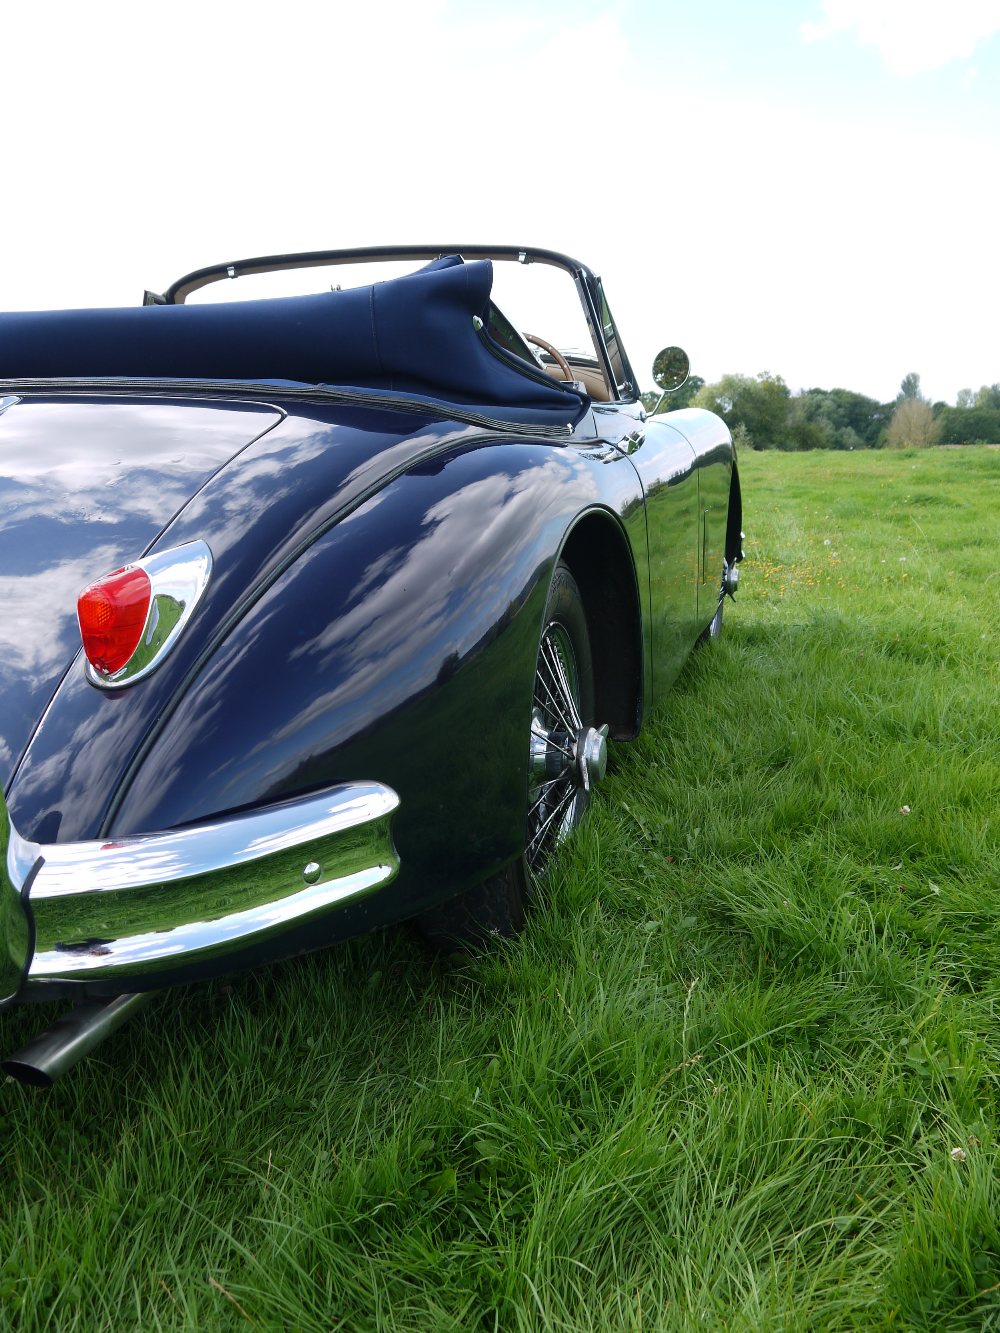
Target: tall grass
{"type": "Point", "coordinates": [739, 1073]}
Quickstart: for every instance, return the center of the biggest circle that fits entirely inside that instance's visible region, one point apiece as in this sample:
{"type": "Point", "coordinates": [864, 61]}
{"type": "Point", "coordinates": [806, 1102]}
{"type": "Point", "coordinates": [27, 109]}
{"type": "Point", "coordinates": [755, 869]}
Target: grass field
{"type": "Point", "coordinates": [741, 1072]}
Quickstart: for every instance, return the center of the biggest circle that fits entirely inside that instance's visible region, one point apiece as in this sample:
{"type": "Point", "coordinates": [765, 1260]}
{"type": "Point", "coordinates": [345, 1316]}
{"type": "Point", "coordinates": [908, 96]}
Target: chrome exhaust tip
{"type": "Point", "coordinates": [72, 1036]}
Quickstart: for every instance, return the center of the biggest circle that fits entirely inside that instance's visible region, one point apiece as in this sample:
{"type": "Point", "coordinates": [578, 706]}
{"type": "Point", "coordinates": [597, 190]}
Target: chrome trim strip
{"type": "Point", "coordinates": [161, 901]}
{"type": "Point", "coordinates": [179, 578]}
{"type": "Point", "coordinates": [8, 401]}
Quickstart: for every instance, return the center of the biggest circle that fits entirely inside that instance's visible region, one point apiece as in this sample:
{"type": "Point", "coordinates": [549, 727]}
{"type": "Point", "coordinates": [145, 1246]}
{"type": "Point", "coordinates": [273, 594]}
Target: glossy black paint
{"type": "Point", "coordinates": [271, 500]}
{"type": "Point", "coordinates": [406, 639]}
{"type": "Point", "coordinates": [85, 486]}
{"type": "Point", "coordinates": [686, 464]}
{"type": "Point", "coordinates": [380, 577]}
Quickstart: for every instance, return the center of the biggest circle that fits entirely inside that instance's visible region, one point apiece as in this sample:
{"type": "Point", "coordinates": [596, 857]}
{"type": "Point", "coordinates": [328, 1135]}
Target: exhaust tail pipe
{"type": "Point", "coordinates": [70, 1038]}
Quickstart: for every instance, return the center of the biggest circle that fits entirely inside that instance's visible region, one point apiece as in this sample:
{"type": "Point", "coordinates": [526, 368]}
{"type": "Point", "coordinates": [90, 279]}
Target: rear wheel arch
{"type": "Point", "coordinates": [598, 555]}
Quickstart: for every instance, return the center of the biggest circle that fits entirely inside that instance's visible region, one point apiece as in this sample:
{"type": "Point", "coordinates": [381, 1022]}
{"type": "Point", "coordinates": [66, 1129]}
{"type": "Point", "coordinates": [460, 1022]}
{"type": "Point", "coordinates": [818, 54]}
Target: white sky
{"type": "Point", "coordinates": [812, 191]}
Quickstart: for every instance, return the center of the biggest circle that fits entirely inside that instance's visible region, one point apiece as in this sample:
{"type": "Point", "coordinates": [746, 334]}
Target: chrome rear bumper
{"type": "Point", "coordinates": [114, 912]}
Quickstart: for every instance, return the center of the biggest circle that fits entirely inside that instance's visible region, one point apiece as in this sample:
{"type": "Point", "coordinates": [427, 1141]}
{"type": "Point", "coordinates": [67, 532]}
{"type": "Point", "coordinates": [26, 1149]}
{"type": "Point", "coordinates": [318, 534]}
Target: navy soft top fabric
{"type": "Point", "coordinates": [412, 334]}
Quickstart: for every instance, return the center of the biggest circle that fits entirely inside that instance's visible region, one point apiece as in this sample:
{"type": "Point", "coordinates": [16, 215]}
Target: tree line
{"type": "Point", "coordinates": [763, 413]}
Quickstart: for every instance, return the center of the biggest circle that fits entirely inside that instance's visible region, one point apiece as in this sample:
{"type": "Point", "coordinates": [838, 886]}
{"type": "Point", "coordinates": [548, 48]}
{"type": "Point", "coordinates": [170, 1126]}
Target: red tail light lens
{"type": "Point", "coordinates": [112, 613]}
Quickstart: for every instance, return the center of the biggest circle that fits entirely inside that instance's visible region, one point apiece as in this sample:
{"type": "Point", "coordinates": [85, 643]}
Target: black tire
{"type": "Point", "coordinates": [496, 908]}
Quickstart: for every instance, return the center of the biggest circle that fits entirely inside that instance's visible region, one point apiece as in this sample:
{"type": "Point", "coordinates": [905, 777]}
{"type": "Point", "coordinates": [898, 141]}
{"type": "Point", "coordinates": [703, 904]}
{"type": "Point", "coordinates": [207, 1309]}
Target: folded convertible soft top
{"type": "Point", "coordinates": [412, 334]}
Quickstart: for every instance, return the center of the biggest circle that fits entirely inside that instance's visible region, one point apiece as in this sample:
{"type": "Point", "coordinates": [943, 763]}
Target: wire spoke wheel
{"type": "Point", "coordinates": [556, 797]}
{"type": "Point", "coordinates": [567, 754]}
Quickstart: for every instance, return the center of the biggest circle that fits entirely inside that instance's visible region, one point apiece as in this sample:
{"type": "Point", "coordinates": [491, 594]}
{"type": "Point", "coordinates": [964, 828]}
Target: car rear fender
{"type": "Point", "coordinates": [258, 515]}
{"type": "Point", "coordinates": [400, 647]}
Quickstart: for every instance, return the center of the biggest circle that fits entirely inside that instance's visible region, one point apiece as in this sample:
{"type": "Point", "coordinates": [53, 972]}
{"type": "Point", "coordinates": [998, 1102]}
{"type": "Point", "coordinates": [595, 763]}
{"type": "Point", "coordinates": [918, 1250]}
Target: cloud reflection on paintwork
{"type": "Point", "coordinates": [252, 513]}
{"type": "Point", "coordinates": [46, 602]}
{"type": "Point", "coordinates": [435, 595]}
{"type": "Point", "coordinates": [255, 514]}
{"type": "Point", "coordinates": [287, 486]}
{"type": "Point", "coordinates": [473, 530]}
{"type": "Point", "coordinates": [86, 486]}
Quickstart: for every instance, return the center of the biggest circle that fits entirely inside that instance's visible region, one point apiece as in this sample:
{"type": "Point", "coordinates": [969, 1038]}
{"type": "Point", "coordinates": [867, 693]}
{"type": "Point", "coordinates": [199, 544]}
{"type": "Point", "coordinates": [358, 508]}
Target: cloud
{"type": "Point", "coordinates": [911, 36]}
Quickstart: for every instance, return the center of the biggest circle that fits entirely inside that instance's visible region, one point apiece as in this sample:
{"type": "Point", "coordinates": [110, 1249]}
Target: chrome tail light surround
{"type": "Point", "coordinates": [179, 578]}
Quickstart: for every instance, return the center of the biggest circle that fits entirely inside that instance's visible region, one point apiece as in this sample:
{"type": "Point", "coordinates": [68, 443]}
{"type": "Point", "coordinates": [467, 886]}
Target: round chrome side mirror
{"type": "Point", "coordinates": [671, 368]}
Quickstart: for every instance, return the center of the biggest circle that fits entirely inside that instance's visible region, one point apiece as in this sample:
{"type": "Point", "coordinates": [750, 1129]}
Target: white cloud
{"type": "Point", "coordinates": [911, 36]}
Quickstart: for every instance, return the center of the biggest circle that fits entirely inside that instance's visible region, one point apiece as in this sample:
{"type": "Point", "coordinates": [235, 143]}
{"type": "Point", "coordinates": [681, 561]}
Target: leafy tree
{"type": "Point", "coordinates": [758, 404]}
{"type": "Point", "coordinates": [913, 424]}
{"type": "Point", "coordinates": [808, 428]}
{"type": "Point", "coordinates": [970, 425]}
{"type": "Point", "coordinates": [686, 394]}
{"type": "Point", "coordinates": [763, 414]}
{"type": "Point", "coordinates": [862, 414]}
{"type": "Point", "coordinates": [836, 419]}
{"type": "Point", "coordinates": [682, 397]}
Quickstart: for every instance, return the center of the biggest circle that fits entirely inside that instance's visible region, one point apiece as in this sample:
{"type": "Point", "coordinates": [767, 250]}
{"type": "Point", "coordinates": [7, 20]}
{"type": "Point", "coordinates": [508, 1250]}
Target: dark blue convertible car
{"type": "Point", "coordinates": [318, 611]}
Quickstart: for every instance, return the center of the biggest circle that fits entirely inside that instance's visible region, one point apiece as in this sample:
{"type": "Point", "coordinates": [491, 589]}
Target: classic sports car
{"type": "Point", "coordinates": [387, 572]}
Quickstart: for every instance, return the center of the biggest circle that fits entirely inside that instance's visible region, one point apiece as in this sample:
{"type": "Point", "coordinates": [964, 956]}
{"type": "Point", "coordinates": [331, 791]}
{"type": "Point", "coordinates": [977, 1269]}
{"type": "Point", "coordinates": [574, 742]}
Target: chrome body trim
{"type": "Point", "coordinates": [179, 578]}
{"type": "Point", "coordinates": [160, 902]}
{"type": "Point", "coordinates": [6, 401]}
